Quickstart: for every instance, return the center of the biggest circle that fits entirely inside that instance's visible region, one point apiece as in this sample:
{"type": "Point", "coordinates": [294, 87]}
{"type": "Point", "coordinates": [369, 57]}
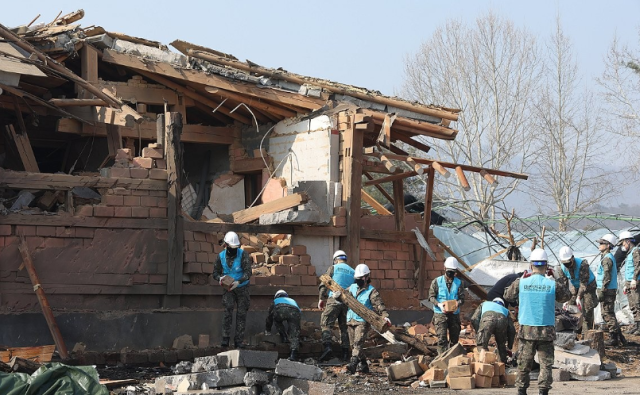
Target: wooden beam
{"type": "Point", "coordinates": [428, 202]}
{"type": "Point", "coordinates": [42, 299]}
{"type": "Point", "coordinates": [89, 71]}
{"type": "Point", "coordinates": [270, 108]}
{"type": "Point", "coordinates": [77, 102]}
{"type": "Point", "coordinates": [195, 96]}
{"type": "Point", "coordinates": [416, 167]}
{"type": "Point", "coordinates": [379, 168]}
{"type": "Point", "coordinates": [253, 213]}
{"type": "Point", "coordinates": [379, 188]}
{"type": "Point", "coordinates": [352, 188]}
{"type": "Point", "coordinates": [249, 165]}
{"type": "Point", "coordinates": [336, 88]}
{"type": "Point", "coordinates": [405, 138]}
{"type": "Point", "coordinates": [398, 198]}
{"type": "Point", "coordinates": [114, 140]}
{"type": "Point", "coordinates": [23, 146]}
{"type": "Point", "coordinates": [371, 201]}
{"type": "Point", "coordinates": [463, 180]}
{"type": "Point", "coordinates": [22, 94]}
{"type": "Point", "coordinates": [173, 127]}
{"type": "Point", "coordinates": [395, 177]}
{"type": "Point", "coordinates": [156, 94]}
{"type": "Point", "coordinates": [438, 167]}
{"type": "Point", "coordinates": [413, 126]}
{"type": "Point", "coordinates": [454, 165]}
{"type": "Point", "coordinates": [201, 77]}
{"type": "Point", "coordinates": [26, 180]}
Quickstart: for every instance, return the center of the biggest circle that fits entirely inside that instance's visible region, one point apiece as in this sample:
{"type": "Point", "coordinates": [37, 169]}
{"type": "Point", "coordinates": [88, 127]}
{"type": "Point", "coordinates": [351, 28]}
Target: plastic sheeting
{"type": "Point", "coordinates": [53, 378]}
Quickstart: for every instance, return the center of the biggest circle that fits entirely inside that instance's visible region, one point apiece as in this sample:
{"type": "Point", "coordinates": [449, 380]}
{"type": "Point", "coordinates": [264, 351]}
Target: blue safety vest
{"type": "Point", "coordinates": [493, 306]}
{"type": "Point", "coordinates": [537, 301]}
{"type": "Point", "coordinates": [362, 298]}
{"type": "Point", "coordinates": [628, 266]}
{"type": "Point", "coordinates": [614, 273]}
{"type": "Point", "coordinates": [343, 275]}
{"type": "Point", "coordinates": [235, 271]}
{"type": "Point", "coordinates": [445, 294]}
{"type": "Point", "coordinates": [575, 280]}
{"type": "Point", "coordinates": [287, 301]}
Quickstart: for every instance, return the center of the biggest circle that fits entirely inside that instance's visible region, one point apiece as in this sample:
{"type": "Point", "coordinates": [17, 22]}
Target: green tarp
{"type": "Point", "coordinates": [53, 378]}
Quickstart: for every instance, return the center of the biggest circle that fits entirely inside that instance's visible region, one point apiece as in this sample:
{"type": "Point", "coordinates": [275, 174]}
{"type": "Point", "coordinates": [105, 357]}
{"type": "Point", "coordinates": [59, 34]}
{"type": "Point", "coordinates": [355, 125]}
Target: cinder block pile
{"type": "Point", "coordinates": [245, 372]}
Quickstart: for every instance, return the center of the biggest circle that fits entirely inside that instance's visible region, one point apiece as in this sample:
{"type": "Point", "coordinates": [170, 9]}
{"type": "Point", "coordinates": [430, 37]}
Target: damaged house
{"type": "Point", "coordinates": [123, 164]}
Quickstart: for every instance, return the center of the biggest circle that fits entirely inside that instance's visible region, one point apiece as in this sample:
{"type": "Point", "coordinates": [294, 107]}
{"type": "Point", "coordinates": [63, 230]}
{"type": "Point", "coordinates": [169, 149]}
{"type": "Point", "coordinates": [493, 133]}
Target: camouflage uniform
{"type": "Point", "coordinates": [586, 292]}
{"type": "Point", "coordinates": [239, 296]}
{"type": "Point", "coordinates": [334, 310]}
{"type": "Point", "coordinates": [446, 322]}
{"type": "Point", "coordinates": [634, 294]}
{"type": "Point", "coordinates": [493, 323]}
{"type": "Point", "coordinates": [607, 297]}
{"type": "Point", "coordinates": [536, 338]}
{"type": "Point", "coordinates": [284, 312]}
{"type": "Point", "coordinates": [358, 330]}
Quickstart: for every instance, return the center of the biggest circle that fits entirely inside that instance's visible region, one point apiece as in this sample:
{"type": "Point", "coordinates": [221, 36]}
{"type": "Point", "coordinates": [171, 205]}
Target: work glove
{"type": "Point", "coordinates": [634, 284]}
{"type": "Point", "coordinates": [234, 286]}
{"type": "Point", "coordinates": [565, 306]}
{"type": "Point", "coordinates": [579, 303]}
{"type": "Point", "coordinates": [267, 333]}
{"type": "Point", "coordinates": [550, 275]}
{"type": "Point", "coordinates": [625, 290]}
{"type": "Point", "coordinates": [527, 273]}
{"type": "Point", "coordinates": [441, 306]}
{"type": "Point", "coordinates": [600, 295]}
{"type": "Point", "coordinates": [220, 280]}
{"type": "Point", "coordinates": [336, 295]}
{"type": "Point", "coordinates": [321, 304]}
{"type": "Point", "coordinates": [509, 352]}
{"type": "Point", "coordinates": [388, 321]}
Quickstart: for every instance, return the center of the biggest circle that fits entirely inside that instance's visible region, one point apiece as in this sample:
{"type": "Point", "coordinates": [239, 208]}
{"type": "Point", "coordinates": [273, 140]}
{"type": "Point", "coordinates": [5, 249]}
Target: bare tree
{"type": "Point", "coordinates": [490, 71]}
{"type": "Point", "coordinates": [567, 175]}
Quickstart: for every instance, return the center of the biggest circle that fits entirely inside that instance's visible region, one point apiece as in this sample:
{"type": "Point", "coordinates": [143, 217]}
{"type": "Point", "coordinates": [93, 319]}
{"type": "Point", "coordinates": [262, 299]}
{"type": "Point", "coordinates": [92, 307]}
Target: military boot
{"type": "Point", "coordinates": [293, 356]}
{"type": "Point", "coordinates": [614, 340]}
{"type": "Point", "coordinates": [623, 341]}
{"type": "Point", "coordinates": [225, 342]}
{"type": "Point", "coordinates": [522, 391]}
{"type": "Point", "coordinates": [363, 366]}
{"type": "Point", "coordinates": [637, 329]}
{"type": "Point", "coordinates": [353, 364]}
{"type": "Point", "coordinates": [327, 354]}
{"type": "Point", "coordinates": [283, 337]}
{"type": "Point", "coordinates": [345, 354]}
{"type": "Point", "coordinates": [240, 344]}
{"type": "Point", "coordinates": [543, 391]}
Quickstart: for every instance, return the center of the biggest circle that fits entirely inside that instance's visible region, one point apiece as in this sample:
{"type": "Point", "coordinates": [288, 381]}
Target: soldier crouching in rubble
{"type": "Point", "coordinates": [537, 292]}
{"type": "Point", "coordinates": [442, 289]}
{"type": "Point", "coordinates": [235, 263]}
{"type": "Point", "coordinates": [358, 327]}
{"type": "Point", "coordinates": [286, 309]}
{"type": "Point", "coordinates": [583, 294]}
{"type": "Point", "coordinates": [492, 318]}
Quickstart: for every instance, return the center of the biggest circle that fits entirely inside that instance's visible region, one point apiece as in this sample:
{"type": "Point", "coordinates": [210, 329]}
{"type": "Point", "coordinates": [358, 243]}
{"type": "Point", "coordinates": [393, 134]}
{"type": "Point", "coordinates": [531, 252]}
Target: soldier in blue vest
{"type": "Point", "coordinates": [631, 276]}
{"type": "Point", "coordinates": [583, 292]}
{"type": "Point", "coordinates": [332, 308]}
{"type": "Point", "coordinates": [492, 318]}
{"type": "Point", "coordinates": [358, 327]}
{"type": "Point", "coordinates": [607, 282]}
{"type": "Point", "coordinates": [233, 262]}
{"type": "Point", "coordinates": [537, 293]}
{"type": "Point", "coordinates": [443, 288]}
{"type": "Point", "coordinates": [286, 309]}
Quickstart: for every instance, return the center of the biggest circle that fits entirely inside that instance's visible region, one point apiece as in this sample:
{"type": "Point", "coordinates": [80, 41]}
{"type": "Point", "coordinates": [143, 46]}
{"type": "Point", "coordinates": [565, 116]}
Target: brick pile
{"type": "Point", "coordinates": [150, 165]}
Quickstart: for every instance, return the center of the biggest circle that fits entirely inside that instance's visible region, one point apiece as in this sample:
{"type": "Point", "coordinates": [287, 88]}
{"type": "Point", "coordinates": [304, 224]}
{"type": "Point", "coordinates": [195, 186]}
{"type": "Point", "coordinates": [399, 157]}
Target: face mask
{"type": "Point", "coordinates": [360, 282]}
{"type": "Point", "coordinates": [568, 264]}
{"type": "Point", "coordinates": [624, 248]}
{"type": "Point", "coordinates": [450, 273]}
{"type": "Point", "coordinates": [232, 251]}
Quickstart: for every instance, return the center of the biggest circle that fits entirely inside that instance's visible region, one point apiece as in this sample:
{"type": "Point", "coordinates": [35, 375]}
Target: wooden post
{"type": "Point", "coordinates": [428, 201]}
{"type": "Point", "coordinates": [398, 198]}
{"type": "Point", "coordinates": [175, 221]}
{"type": "Point", "coordinates": [114, 139]}
{"type": "Point", "coordinates": [25, 152]}
{"type": "Point", "coordinates": [351, 190]}
{"type": "Point", "coordinates": [88, 70]}
{"type": "Point", "coordinates": [42, 299]}
{"type": "Point", "coordinates": [597, 341]}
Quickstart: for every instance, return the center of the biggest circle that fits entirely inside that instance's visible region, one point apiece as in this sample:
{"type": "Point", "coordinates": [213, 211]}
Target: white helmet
{"type": "Point", "coordinates": [232, 240]}
{"type": "Point", "coordinates": [361, 271]}
{"type": "Point", "coordinates": [450, 263]}
{"type": "Point", "coordinates": [565, 254]}
{"type": "Point", "coordinates": [340, 254]}
{"type": "Point", "coordinates": [626, 235]}
{"type": "Point", "coordinates": [499, 301]}
{"type": "Point", "coordinates": [538, 255]}
{"type": "Point", "coordinates": [281, 294]}
{"type": "Point", "coordinates": [609, 238]}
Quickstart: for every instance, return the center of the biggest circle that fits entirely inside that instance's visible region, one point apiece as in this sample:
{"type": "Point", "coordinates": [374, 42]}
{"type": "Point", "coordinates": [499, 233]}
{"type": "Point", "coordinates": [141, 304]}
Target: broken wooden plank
{"type": "Point", "coordinates": [351, 188]}
{"type": "Point", "coordinates": [428, 202]}
{"type": "Point", "coordinates": [374, 203]}
{"type": "Point", "coordinates": [77, 102]}
{"type": "Point", "coordinates": [23, 365]}
{"type": "Point", "coordinates": [23, 146]}
{"type": "Point", "coordinates": [253, 213]}
{"type": "Point", "coordinates": [414, 126]}
{"type": "Point", "coordinates": [27, 180]}
{"type": "Point", "coordinates": [36, 353]}
{"type": "Point", "coordinates": [173, 127]}
{"type": "Point", "coordinates": [398, 206]}
{"type": "Point", "coordinates": [114, 140]}
{"type": "Point", "coordinates": [42, 298]}
{"type": "Point", "coordinates": [250, 165]}
{"type": "Point", "coordinates": [153, 94]}
{"type": "Point", "coordinates": [391, 178]}
{"type": "Point", "coordinates": [270, 108]}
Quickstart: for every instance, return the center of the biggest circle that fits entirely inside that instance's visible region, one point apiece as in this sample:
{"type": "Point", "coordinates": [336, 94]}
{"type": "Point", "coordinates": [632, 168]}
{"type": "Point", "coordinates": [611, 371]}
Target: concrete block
{"type": "Point", "coordinates": [404, 370]}
{"type": "Point", "coordinates": [560, 375]}
{"type": "Point", "coordinates": [487, 357]}
{"type": "Point", "coordinates": [460, 360]}
{"type": "Point", "coordinates": [153, 153]}
{"type": "Point", "coordinates": [293, 390]}
{"type": "Point", "coordinates": [256, 377]}
{"type": "Point", "coordinates": [145, 163]}
{"type": "Point", "coordinates": [461, 383]}
{"type": "Point", "coordinates": [210, 363]}
{"type": "Point", "coordinates": [442, 361]}
{"type": "Point", "coordinates": [218, 378]}
{"type": "Point", "coordinates": [438, 384]}
{"type": "Point", "coordinates": [224, 391]}
{"type": "Point", "coordinates": [484, 369]}
{"type": "Point", "coordinates": [565, 340]}
{"type": "Point", "coordinates": [298, 370]}
{"type": "Point", "coordinates": [600, 376]}
{"type": "Point", "coordinates": [461, 371]}
{"type": "Point", "coordinates": [482, 381]}
{"type": "Point", "coordinates": [251, 359]}
{"type": "Point", "coordinates": [310, 387]}
{"type": "Point", "coordinates": [495, 381]}
{"type": "Point", "coordinates": [433, 374]}
{"type": "Point", "coordinates": [510, 378]}
{"type": "Point", "coordinates": [582, 365]}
